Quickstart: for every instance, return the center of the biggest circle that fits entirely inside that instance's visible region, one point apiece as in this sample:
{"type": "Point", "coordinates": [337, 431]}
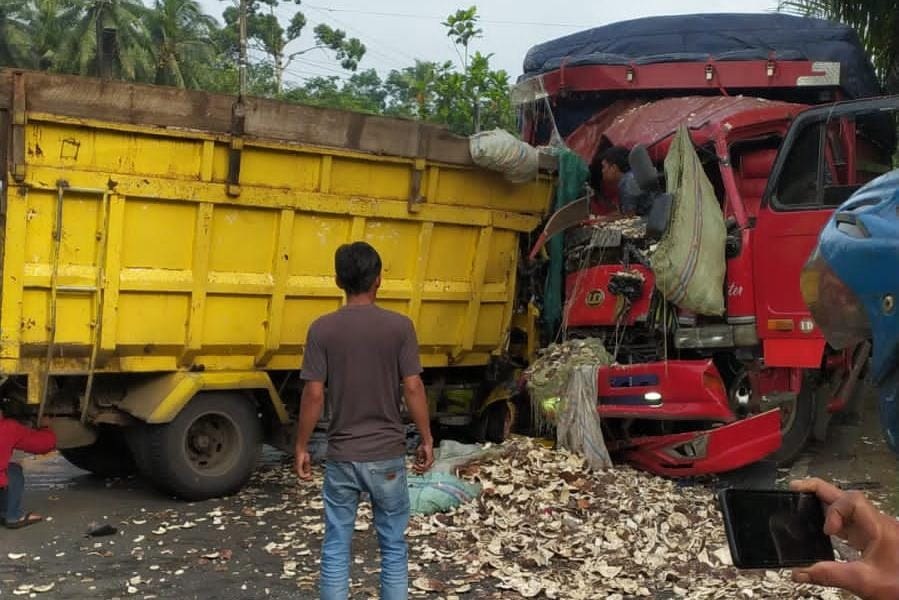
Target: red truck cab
{"type": "Point", "coordinates": [692, 394]}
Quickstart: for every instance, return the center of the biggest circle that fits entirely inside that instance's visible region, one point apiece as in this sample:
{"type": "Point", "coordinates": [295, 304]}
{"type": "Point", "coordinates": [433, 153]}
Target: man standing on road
{"type": "Point", "coordinates": [363, 353]}
{"type": "Point", "coordinates": [15, 436]}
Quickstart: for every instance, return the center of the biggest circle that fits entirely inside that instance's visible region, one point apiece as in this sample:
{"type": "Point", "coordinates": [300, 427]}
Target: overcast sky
{"type": "Point", "coordinates": [396, 32]}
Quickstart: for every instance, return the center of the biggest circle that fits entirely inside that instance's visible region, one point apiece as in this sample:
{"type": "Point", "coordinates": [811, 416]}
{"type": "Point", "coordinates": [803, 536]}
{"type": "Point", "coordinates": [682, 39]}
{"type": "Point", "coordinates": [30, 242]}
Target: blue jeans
{"type": "Point", "coordinates": [385, 483]}
{"type": "Point", "coordinates": [11, 495]}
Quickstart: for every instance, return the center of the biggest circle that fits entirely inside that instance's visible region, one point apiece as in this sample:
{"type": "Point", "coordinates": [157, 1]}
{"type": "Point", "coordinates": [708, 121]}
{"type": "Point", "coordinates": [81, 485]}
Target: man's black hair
{"type": "Point", "coordinates": [357, 266]}
{"type": "Point", "coordinates": [617, 155]}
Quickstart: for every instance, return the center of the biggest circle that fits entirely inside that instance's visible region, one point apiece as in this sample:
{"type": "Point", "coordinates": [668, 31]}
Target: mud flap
{"type": "Point", "coordinates": [706, 452]}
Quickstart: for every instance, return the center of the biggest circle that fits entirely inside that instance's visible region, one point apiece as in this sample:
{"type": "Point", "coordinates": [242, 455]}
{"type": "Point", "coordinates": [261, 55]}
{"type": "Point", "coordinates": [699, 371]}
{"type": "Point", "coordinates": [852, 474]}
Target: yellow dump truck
{"type": "Point", "coordinates": [164, 252]}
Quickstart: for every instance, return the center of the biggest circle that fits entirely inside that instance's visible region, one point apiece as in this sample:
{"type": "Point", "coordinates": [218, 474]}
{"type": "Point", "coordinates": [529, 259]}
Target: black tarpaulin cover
{"type": "Point", "coordinates": [716, 36]}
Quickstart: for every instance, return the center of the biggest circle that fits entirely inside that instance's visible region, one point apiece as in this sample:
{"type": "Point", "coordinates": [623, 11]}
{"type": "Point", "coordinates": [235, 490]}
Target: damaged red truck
{"type": "Point", "coordinates": [692, 394]}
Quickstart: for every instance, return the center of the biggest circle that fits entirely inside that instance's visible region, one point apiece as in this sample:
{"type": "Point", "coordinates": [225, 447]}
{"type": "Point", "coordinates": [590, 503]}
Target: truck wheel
{"type": "Point", "coordinates": [497, 422]}
{"type": "Point", "coordinates": [797, 420]}
{"type": "Point", "coordinates": [109, 456]}
{"type": "Point", "coordinates": [210, 449]}
{"type": "Point", "coordinates": [797, 417]}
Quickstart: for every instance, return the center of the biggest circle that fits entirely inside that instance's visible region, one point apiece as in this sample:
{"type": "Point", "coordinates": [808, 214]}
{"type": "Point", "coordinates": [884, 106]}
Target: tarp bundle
{"type": "Point", "coordinates": [499, 150]}
{"type": "Point", "coordinates": [689, 262]}
{"type": "Point", "coordinates": [439, 490]}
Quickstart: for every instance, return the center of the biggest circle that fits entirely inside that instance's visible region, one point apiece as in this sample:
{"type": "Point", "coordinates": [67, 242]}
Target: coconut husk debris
{"type": "Point", "coordinates": [545, 526]}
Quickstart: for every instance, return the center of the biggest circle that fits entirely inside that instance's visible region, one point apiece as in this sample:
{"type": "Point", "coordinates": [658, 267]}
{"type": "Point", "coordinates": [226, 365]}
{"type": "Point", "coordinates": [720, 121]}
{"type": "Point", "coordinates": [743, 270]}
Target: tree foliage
{"type": "Point", "coordinates": [875, 21]}
{"type": "Point", "coordinates": [175, 42]}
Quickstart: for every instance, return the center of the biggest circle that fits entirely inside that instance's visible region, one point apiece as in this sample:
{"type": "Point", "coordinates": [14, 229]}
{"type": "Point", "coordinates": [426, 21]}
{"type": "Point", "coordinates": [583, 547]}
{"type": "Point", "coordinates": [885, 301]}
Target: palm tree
{"type": "Point", "coordinates": [15, 41]}
{"type": "Point", "coordinates": [48, 32]}
{"type": "Point", "coordinates": [877, 24]}
{"type": "Point", "coordinates": [181, 35]}
{"type": "Point", "coordinates": [121, 26]}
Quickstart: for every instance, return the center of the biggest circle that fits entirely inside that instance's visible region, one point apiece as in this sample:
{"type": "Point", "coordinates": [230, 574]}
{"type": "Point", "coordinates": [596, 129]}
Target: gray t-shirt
{"type": "Point", "coordinates": [361, 352]}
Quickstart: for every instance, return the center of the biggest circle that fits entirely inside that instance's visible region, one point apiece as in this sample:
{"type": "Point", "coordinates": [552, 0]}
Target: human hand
{"type": "Point", "coordinates": [45, 421]}
{"type": "Point", "coordinates": [303, 464]}
{"type": "Point", "coordinates": [852, 517]}
{"type": "Point", "coordinates": [424, 457]}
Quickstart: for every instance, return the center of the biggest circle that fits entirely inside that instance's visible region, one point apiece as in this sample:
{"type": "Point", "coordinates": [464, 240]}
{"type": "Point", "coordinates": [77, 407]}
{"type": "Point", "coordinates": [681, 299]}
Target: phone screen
{"type": "Point", "coordinates": [774, 528]}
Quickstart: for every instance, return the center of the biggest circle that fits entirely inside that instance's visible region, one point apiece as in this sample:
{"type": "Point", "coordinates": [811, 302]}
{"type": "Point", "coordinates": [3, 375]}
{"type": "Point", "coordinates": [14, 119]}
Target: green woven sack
{"type": "Point", "coordinates": [689, 262]}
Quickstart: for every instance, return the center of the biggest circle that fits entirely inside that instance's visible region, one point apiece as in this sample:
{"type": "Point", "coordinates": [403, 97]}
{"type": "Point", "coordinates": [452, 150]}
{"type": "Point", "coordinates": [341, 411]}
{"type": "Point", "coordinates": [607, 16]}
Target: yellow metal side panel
{"type": "Point", "coordinates": [34, 317]}
{"type": "Point", "coordinates": [112, 151]}
{"type": "Point", "coordinates": [490, 326]}
{"type": "Point", "coordinates": [315, 239]}
{"type": "Point", "coordinates": [452, 252]}
{"type": "Point", "coordinates": [157, 234]}
{"type": "Point", "coordinates": [280, 169]}
{"type": "Point", "coordinates": [236, 321]}
{"type": "Point", "coordinates": [195, 276]}
{"type": "Point", "coordinates": [479, 187]}
{"type": "Point", "coordinates": [440, 323]}
{"type": "Point", "coordinates": [369, 178]}
{"type": "Point", "coordinates": [393, 241]}
{"type": "Point", "coordinates": [158, 318]}
{"type": "Point", "coordinates": [503, 254]}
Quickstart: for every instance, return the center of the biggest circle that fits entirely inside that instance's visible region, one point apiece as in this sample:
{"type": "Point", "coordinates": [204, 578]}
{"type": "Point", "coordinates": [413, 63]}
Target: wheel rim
{"type": "Point", "coordinates": [212, 444]}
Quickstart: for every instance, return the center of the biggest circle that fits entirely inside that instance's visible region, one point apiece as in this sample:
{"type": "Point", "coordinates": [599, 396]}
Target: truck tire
{"type": "Point", "coordinates": [109, 456]}
{"type": "Point", "coordinates": [210, 449]}
{"type": "Point", "coordinates": [797, 423]}
{"type": "Point", "coordinates": [497, 422]}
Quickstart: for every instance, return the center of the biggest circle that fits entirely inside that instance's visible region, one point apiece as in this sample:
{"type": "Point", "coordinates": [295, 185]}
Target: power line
{"type": "Point", "coordinates": [365, 36]}
{"type": "Point", "coordinates": [435, 17]}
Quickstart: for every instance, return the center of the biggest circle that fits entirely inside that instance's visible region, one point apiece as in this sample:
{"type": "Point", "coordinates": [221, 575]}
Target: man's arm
{"type": "Point", "coordinates": [35, 441]}
{"type": "Point", "coordinates": [417, 403]}
{"type": "Point", "coordinates": [311, 404]}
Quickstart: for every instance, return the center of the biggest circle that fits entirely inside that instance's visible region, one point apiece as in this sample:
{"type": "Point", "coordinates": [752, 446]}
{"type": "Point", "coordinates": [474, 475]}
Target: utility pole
{"type": "Point", "coordinates": [238, 110]}
{"type": "Point", "coordinates": [242, 60]}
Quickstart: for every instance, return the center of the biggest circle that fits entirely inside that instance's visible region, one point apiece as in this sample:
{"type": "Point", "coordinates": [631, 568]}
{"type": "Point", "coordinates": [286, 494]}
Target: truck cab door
{"type": "Point", "coordinates": [828, 153]}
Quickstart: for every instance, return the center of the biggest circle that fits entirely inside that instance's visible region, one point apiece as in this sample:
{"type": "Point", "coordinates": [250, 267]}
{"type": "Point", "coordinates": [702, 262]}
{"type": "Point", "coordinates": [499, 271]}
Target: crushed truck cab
{"type": "Point", "coordinates": [692, 393]}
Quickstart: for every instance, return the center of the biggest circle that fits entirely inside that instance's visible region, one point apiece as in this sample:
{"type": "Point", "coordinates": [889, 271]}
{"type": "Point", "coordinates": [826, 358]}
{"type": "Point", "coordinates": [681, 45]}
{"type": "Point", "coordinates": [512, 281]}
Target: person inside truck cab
{"type": "Point", "coordinates": [611, 177]}
{"type": "Point", "coordinates": [15, 436]}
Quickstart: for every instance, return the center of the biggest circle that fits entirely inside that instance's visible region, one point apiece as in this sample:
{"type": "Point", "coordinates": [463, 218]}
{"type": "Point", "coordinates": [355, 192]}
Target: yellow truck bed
{"type": "Point", "coordinates": [129, 245]}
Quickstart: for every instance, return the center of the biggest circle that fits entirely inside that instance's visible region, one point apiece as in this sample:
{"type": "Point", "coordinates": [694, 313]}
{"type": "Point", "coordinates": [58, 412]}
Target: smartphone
{"type": "Point", "coordinates": [770, 529]}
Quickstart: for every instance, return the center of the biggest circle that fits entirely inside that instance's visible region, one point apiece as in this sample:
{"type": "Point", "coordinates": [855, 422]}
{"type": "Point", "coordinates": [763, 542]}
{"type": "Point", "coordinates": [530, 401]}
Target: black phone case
{"type": "Point", "coordinates": [735, 551]}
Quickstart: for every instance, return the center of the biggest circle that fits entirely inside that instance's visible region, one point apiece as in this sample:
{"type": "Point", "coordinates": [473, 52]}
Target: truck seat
{"type": "Point", "coordinates": [752, 177]}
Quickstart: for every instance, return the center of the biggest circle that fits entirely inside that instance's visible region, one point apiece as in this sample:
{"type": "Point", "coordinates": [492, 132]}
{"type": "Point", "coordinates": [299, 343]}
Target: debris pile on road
{"type": "Point", "coordinates": [545, 526]}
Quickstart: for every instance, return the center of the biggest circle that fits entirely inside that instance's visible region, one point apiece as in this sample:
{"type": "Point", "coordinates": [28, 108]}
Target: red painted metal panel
{"type": "Point", "coordinates": [744, 75]}
{"type": "Point", "coordinates": [716, 451]}
{"type": "Point", "coordinates": [591, 304]}
{"type": "Point", "coordinates": [806, 353]}
{"type": "Point", "coordinates": [689, 390]}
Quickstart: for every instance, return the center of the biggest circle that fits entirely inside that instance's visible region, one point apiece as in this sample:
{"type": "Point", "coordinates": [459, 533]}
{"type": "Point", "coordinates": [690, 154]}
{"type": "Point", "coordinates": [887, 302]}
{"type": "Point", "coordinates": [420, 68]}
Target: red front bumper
{"type": "Point", "coordinates": [683, 390]}
{"type": "Point", "coordinates": [715, 450]}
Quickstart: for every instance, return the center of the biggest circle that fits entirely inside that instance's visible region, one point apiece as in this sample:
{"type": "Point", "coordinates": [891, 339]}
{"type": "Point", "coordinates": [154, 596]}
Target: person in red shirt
{"type": "Point", "coordinates": [15, 436]}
